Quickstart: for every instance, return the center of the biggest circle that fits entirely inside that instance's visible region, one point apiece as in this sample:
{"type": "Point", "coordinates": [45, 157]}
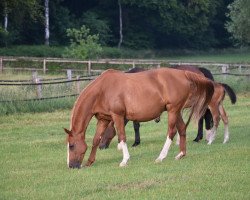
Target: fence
{"type": "Point", "coordinates": [88, 65]}
{"type": "Point", "coordinates": [224, 69]}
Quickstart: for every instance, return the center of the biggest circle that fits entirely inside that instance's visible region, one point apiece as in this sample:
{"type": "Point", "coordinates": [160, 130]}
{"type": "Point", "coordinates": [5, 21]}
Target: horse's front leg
{"type": "Point", "coordinates": [172, 118]}
{"type": "Point", "coordinates": [100, 128]}
{"type": "Point", "coordinates": [122, 145]}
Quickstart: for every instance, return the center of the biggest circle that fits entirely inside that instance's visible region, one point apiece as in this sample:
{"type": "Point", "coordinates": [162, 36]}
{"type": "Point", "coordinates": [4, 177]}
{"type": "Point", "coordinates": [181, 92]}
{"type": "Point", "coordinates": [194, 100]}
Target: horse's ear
{"type": "Point", "coordinates": [67, 131]}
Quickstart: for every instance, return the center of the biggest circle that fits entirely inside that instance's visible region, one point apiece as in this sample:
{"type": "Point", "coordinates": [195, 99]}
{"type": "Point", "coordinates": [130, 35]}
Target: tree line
{"type": "Point", "coordinates": [154, 24]}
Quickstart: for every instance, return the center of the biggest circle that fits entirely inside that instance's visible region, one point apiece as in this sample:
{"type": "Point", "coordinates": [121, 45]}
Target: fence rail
{"type": "Point", "coordinates": [131, 62]}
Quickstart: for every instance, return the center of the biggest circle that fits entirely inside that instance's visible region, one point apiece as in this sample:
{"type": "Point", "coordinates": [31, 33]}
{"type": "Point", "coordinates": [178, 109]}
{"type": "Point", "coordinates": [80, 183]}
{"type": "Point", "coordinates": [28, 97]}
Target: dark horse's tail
{"type": "Point", "coordinates": [230, 93]}
{"type": "Point", "coordinates": [202, 93]}
{"type": "Point", "coordinates": [206, 73]}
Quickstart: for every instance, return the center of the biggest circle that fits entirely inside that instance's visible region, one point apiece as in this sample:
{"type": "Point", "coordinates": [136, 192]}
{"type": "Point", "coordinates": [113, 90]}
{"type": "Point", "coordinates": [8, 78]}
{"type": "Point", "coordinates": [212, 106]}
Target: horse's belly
{"type": "Point", "coordinates": [144, 113]}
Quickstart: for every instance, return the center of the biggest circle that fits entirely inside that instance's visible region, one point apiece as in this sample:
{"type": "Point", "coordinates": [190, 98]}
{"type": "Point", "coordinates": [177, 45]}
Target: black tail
{"type": "Point", "coordinates": [206, 73]}
{"type": "Point", "coordinates": [230, 93]}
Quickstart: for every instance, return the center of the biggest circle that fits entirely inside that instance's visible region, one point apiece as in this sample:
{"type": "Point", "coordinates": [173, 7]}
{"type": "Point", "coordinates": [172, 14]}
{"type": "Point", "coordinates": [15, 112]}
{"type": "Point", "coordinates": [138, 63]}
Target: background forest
{"type": "Point", "coordinates": [144, 24]}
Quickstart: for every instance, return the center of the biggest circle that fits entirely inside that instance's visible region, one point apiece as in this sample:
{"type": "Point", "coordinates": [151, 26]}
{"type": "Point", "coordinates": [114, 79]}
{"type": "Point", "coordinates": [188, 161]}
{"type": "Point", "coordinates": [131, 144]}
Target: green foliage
{"type": "Point", "coordinates": [82, 44]}
{"type": "Point", "coordinates": [97, 26]}
{"type": "Point", "coordinates": [32, 51]}
{"type": "Point", "coordinates": [239, 24]}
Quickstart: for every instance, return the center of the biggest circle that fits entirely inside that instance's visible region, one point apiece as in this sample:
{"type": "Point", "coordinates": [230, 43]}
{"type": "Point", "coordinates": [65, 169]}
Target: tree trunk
{"type": "Point", "coordinates": [6, 21]}
{"type": "Point", "coordinates": [5, 16]}
{"type": "Point", "coordinates": [46, 5]}
{"type": "Point", "coordinates": [120, 18]}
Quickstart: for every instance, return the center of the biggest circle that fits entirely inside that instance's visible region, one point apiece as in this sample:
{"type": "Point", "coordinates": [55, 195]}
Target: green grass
{"type": "Point", "coordinates": [33, 161]}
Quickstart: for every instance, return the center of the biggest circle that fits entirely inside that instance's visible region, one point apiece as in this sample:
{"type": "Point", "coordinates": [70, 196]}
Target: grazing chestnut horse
{"type": "Point", "coordinates": [110, 132]}
{"type": "Point", "coordinates": [219, 94]}
{"type": "Point", "coordinates": [141, 97]}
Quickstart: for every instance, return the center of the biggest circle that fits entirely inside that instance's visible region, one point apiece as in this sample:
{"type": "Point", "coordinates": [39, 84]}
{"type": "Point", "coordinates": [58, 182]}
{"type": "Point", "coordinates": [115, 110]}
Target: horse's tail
{"type": "Point", "coordinates": [202, 91]}
{"type": "Point", "coordinates": [230, 93]}
{"type": "Point", "coordinates": [206, 73]}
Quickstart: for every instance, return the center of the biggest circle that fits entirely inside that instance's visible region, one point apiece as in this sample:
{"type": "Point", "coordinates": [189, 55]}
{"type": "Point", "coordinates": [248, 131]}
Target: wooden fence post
{"type": "Point", "coordinates": [38, 88]}
{"type": "Point", "coordinates": [35, 79]}
{"type": "Point", "coordinates": [44, 66]}
{"type": "Point", "coordinates": [89, 68]}
{"type": "Point", "coordinates": [78, 84]}
{"type": "Point", "coordinates": [69, 76]}
{"type": "Point", "coordinates": [1, 65]}
{"type": "Point", "coordinates": [224, 69]}
{"type": "Point", "coordinates": [133, 64]}
{"type": "Point", "coordinates": [240, 68]}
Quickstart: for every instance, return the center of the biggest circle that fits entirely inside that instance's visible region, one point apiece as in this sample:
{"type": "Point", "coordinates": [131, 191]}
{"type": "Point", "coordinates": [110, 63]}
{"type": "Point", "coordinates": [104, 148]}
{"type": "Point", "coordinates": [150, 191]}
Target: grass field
{"type": "Point", "coordinates": [33, 161]}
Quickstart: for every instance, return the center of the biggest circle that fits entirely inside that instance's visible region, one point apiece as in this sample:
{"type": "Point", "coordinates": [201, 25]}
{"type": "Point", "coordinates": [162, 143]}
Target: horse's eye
{"type": "Point", "coordinates": [71, 146]}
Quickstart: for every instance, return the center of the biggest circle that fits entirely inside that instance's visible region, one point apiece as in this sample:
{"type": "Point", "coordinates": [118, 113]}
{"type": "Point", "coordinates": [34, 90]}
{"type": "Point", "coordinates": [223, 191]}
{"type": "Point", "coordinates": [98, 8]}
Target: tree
{"type": "Point", "coordinates": [15, 12]}
{"type": "Point", "coordinates": [82, 44]}
{"type": "Point", "coordinates": [239, 24]}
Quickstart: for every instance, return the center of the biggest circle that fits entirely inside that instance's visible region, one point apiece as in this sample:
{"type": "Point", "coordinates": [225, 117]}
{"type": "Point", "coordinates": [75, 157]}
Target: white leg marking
{"type": "Point", "coordinates": [179, 156]}
{"type": "Point", "coordinates": [119, 147]}
{"type": "Point", "coordinates": [212, 135]}
{"type": "Point", "coordinates": [68, 154]}
{"type": "Point", "coordinates": [125, 152]}
{"type": "Point", "coordinates": [226, 134]}
{"type": "Point", "coordinates": [164, 150]}
{"type": "Point", "coordinates": [208, 133]}
{"type": "Point", "coordinates": [178, 140]}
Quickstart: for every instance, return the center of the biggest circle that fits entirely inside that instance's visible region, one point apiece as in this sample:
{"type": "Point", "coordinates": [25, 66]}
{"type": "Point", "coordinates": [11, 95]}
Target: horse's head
{"type": "Point", "coordinates": [76, 148]}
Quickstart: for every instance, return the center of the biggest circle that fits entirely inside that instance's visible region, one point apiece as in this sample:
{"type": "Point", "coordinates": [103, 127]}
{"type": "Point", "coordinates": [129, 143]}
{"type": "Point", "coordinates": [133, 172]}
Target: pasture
{"type": "Point", "coordinates": [33, 161]}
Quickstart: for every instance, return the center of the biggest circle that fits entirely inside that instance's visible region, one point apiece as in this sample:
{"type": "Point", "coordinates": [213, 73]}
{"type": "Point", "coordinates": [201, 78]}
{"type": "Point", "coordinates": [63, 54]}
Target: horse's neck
{"type": "Point", "coordinates": [82, 114]}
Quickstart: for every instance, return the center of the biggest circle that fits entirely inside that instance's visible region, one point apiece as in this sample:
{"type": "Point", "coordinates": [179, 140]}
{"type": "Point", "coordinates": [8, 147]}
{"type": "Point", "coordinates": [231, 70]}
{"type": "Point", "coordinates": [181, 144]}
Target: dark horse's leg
{"type": "Point", "coordinates": [208, 124]}
{"type": "Point", "coordinates": [137, 134]}
{"type": "Point", "coordinates": [200, 130]}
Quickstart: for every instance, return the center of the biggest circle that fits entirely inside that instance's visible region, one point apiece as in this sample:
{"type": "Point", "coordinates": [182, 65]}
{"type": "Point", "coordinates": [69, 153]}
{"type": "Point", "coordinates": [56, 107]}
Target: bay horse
{"type": "Point", "coordinates": [115, 95]}
{"type": "Point", "coordinates": [219, 94]}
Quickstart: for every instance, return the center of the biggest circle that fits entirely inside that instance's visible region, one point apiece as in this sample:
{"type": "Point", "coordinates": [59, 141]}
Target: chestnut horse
{"type": "Point", "coordinates": [141, 97]}
{"type": "Point", "coordinates": [219, 94]}
{"type": "Point", "coordinates": [110, 132]}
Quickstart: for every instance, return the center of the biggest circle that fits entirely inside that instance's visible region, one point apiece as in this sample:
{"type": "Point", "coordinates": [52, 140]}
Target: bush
{"type": "Point", "coordinates": [82, 44]}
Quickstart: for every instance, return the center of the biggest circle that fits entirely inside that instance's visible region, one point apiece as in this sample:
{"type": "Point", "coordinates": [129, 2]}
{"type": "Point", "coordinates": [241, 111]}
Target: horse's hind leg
{"type": "Point", "coordinates": [119, 123]}
{"type": "Point", "coordinates": [101, 126]}
{"type": "Point", "coordinates": [172, 118]}
{"type": "Point", "coordinates": [200, 130]}
{"type": "Point", "coordinates": [225, 121]}
{"type": "Point", "coordinates": [216, 118]}
{"type": "Point", "coordinates": [137, 134]}
{"type": "Point", "coordinates": [181, 127]}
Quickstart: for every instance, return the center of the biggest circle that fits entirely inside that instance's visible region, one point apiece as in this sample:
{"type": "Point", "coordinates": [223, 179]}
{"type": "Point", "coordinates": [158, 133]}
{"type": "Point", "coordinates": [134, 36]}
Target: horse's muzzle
{"type": "Point", "coordinates": [75, 165]}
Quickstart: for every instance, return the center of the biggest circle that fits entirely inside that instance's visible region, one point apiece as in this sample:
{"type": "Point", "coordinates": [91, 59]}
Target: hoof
{"type": "Point", "coordinates": [123, 164]}
{"type": "Point", "coordinates": [135, 144]}
{"type": "Point", "coordinates": [225, 140]}
{"type": "Point", "coordinates": [158, 160]}
{"type": "Point", "coordinates": [197, 139]}
{"type": "Point", "coordinates": [179, 156]}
